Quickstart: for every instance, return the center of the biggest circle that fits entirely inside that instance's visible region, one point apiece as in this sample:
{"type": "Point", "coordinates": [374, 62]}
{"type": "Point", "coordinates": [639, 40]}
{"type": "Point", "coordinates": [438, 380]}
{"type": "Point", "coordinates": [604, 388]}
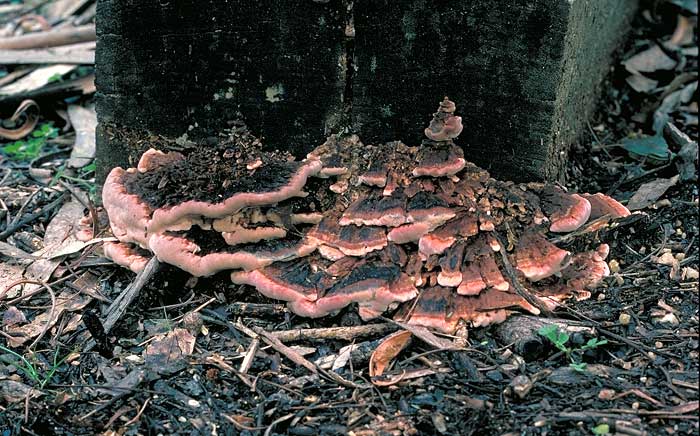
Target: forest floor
{"type": "Point", "coordinates": [210, 358]}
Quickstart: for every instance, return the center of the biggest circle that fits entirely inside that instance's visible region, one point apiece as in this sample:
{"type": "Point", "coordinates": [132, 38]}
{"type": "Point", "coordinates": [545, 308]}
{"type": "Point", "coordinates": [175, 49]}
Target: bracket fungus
{"type": "Point", "coordinates": [417, 230]}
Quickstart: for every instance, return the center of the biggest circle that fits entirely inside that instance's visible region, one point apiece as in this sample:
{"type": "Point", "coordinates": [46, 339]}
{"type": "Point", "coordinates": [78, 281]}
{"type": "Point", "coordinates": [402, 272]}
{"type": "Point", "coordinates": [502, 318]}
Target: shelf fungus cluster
{"type": "Point", "coordinates": [416, 230]}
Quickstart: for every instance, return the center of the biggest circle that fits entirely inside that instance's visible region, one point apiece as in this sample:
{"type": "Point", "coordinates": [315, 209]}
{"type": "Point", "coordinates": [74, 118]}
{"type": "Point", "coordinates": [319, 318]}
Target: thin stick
{"type": "Point", "coordinates": [519, 289]}
{"type": "Point", "coordinates": [292, 355]}
{"type": "Point", "coordinates": [117, 309]}
{"type": "Point", "coordinates": [336, 333]}
{"type": "Point", "coordinates": [275, 343]}
{"type": "Point", "coordinates": [140, 412]}
{"type": "Point", "coordinates": [69, 35]}
{"type": "Point", "coordinates": [268, 432]}
{"type": "Point", "coordinates": [31, 217]}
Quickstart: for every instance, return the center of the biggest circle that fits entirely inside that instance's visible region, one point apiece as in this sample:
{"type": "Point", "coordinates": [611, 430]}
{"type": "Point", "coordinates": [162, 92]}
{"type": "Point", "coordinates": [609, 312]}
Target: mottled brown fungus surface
{"type": "Point", "coordinates": [417, 230]}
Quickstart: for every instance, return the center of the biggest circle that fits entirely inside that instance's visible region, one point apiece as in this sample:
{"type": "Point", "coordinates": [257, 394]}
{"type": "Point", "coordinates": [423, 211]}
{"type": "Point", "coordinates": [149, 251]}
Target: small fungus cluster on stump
{"type": "Point", "coordinates": [389, 226]}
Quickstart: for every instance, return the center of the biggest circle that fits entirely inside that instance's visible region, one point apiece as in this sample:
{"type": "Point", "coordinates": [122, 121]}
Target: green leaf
{"type": "Point", "coordinates": [652, 148]}
{"type": "Point", "coordinates": [580, 367]}
{"type": "Point", "coordinates": [562, 338]}
{"type": "Point", "coordinates": [55, 78]}
{"type": "Point", "coordinates": [549, 331]}
{"type": "Point", "coordinates": [601, 429]}
{"type": "Point", "coordinates": [13, 148]}
{"type": "Point", "coordinates": [558, 338]}
{"type": "Point", "coordinates": [593, 343]}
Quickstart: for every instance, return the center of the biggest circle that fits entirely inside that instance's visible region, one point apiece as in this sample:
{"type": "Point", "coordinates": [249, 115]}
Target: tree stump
{"type": "Point", "coordinates": [524, 75]}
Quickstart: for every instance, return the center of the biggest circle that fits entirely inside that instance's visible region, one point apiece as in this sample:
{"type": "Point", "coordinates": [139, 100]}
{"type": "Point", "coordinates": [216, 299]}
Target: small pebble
{"type": "Point", "coordinates": [614, 266]}
{"type": "Point", "coordinates": [601, 296]}
{"type": "Point", "coordinates": [658, 344]}
{"type": "Point", "coordinates": [606, 394]}
{"type": "Point", "coordinates": [669, 320]}
{"type": "Point", "coordinates": [625, 318]}
{"type": "Point", "coordinates": [666, 259]}
{"type": "Point", "coordinates": [506, 354]}
{"type": "Point", "coordinates": [522, 385]}
{"type": "Point", "coordinates": [439, 422]}
{"type": "Point", "coordinates": [662, 203]}
{"type": "Point", "coordinates": [690, 273]}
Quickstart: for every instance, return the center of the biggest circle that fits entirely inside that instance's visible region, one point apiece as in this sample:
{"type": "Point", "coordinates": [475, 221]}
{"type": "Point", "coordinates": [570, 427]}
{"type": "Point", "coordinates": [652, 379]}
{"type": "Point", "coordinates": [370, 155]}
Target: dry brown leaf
{"type": "Point", "coordinates": [77, 246]}
{"type": "Point", "coordinates": [13, 252]}
{"type": "Point", "coordinates": [64, 224]}
{"type": "Point", "coordinates": [66, 301]}
{"type": "Point", "coordinates": [60, 232]}
{"type": "Point", "coordinates": [170, 349]}
{"type": "Point", "coordinates": [129, 382]}
{"type": "Point", "coordinates": [683, 34]}
{"type": "Point", "coordinates": [394, 377]}
{"type": "Point", "coordinates": [29, 109]}
{"type": "Point", "coordinates": [13, 391]}
{"type": "Point", "coordinates": [649, 60]}
{"type": "Point", "coordinates": [385, 353]}
{"type": "Point", "coordinates": [13, 316]}
{"type": "Point", "coordinates": [36, 79]}
{"type": "Point", "coordinates": [649, 192]}
{"type": "Point", "coordinates": [84, 121]}
{"type": "Point", "coordinates": [642, 83]}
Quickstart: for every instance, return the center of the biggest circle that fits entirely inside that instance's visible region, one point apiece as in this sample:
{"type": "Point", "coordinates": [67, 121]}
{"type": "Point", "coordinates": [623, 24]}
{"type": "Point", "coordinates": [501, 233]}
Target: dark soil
{"type": "Point", "coordinates": [221, 172]}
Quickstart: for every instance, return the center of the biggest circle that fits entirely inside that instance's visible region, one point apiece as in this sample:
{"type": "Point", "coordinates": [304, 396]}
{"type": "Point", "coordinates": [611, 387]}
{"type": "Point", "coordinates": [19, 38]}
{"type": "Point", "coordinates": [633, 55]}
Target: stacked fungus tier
{"type": "Point", "coordinates": [387, 226]}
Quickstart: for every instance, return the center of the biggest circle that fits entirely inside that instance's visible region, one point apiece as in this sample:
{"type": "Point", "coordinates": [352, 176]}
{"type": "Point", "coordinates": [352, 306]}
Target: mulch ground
{"type": "Point", "coordinates": [205, 357]}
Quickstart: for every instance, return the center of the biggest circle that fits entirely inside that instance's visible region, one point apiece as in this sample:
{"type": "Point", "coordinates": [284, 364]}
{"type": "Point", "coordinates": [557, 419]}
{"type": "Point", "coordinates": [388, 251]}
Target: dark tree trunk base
{"type": "Point", "coordinates": [524, 75]}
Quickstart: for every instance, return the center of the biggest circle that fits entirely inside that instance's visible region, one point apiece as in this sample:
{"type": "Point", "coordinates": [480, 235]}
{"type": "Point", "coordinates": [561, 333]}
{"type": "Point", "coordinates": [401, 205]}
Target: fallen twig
{"type": "Point", "coordinates": [255, 309]}
{"type": "Point", "coordinates": [31, 217]}
{"type": "Point", "coordinates": [513, 278]}
{"type": "Point", "coordinates": [337, 333]}
{"type": "Point", "coordinates": [54, 38]}
{"type": "Point", "coordinates": [117, 309]}
{"type": "Point", "coordinates": [292, 355]}
{"type": "Point", "coordinates": [46, 56]}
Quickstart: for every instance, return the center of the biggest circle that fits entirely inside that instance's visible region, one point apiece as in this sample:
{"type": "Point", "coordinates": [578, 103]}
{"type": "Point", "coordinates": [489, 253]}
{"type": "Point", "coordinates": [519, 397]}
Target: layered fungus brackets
{"type": "Point", "coordinates": [383, 226]}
